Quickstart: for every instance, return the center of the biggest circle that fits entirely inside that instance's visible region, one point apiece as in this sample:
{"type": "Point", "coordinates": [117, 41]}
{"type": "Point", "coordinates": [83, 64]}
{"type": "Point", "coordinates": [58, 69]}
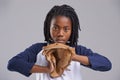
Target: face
{"type": "Point", "coordinates": [60, 29]}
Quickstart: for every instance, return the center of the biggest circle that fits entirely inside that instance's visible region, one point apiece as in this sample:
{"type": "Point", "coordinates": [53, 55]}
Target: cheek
{"type": "Point", "coordinates": [68, 35]}
{"type": "Point", "coordinates": [52, 34]}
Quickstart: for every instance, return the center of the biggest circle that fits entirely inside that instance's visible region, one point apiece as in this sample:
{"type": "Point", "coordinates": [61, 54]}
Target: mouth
{"type": "Point", "coordinates": [60, 41]}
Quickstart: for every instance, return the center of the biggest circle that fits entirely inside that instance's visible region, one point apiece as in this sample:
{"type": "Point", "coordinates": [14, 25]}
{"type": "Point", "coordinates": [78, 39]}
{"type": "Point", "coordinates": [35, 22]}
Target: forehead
{"type": "Point", "coordinates": [61, 20]}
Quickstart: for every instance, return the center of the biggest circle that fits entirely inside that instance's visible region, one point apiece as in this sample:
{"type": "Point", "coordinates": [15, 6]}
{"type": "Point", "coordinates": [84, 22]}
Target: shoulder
{"type": "Point", "coordinates": [36, 47]}
{"type": "Point", "coordinates": [39, 44]}
{"type": "Point", "coordinates": [83, 50]}
{"type": "Point", "coordinates": [80, 47]}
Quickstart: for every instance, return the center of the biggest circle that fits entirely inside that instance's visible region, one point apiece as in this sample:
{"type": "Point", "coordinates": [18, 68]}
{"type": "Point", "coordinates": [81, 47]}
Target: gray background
{"type": "Point", "coordinates": [21, 25]}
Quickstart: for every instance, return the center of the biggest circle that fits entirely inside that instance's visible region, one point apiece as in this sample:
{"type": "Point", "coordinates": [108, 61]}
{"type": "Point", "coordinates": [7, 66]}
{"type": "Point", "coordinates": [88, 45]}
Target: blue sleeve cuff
{"type": "Point", "coordinates": [99, 62]}
{"type": "Point", "coordinates": [17, 65]}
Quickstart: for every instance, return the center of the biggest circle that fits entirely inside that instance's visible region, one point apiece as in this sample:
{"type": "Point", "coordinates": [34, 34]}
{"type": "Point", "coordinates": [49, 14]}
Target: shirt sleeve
{"type": "Point", "coordinates": [24, 61]}
{"type": "Point", "coordinates": [97, 61]}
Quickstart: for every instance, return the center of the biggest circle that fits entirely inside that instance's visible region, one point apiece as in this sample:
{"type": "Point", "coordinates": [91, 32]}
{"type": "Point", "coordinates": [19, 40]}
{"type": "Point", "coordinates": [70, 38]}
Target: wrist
{"type": "Point", "coordinates": [74, 57]}
{"type": "Point", "coordinates": [40, 69]}
{"type": "Point", "coordinates": [47, 70]}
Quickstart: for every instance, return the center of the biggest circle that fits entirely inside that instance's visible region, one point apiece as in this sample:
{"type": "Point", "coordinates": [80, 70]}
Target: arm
{"type": "Point", "coordinates": [24, 62]}
{"type": "Point", "coordinates": [39, 69]}
{"type": "Point", "coordinates": [42, 69]}
{"type": "Point", "coordinates": [92, 60]}
{"type": "Point", "coordinates": [82, 59]}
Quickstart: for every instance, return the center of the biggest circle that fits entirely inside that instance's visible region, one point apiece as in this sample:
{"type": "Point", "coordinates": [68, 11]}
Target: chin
{"type": "Point", "coordinates": [60, 42]}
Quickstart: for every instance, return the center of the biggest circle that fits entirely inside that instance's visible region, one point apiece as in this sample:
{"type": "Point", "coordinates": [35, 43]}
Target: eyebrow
{"type": "Point", "coordinates": [59, 26]}
{"type": "Point", "coordinates": [56, 25]}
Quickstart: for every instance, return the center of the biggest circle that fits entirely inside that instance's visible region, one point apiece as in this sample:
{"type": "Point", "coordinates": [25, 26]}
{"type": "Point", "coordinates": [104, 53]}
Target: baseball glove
{"type": "Point", "coordinates": [59, 55]}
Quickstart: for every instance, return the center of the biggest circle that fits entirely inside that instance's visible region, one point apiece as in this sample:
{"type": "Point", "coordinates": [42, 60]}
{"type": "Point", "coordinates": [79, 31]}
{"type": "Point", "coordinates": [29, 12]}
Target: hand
{"type": "Point", "coordinates": [50, 62]}
{"type": "Point", "coordinates": [50, 67]}
{"type": "Point", "coordinates": [73, 57]}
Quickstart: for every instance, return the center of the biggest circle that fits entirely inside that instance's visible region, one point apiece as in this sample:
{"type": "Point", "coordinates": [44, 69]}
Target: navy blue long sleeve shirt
{"type": "Point", "coordinates": [24, 61]}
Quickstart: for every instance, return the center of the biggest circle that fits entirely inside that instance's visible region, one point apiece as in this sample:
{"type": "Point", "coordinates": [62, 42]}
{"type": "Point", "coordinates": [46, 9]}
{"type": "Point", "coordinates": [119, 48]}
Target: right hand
{"type": "Point", "coordinates": [51, 61]}
{"type": "Point", "coordinates": [50, 67]}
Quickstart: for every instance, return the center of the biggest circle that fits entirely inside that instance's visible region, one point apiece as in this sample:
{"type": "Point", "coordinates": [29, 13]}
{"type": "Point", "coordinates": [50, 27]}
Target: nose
{"type": "Point", "coordinates": [61, 33]}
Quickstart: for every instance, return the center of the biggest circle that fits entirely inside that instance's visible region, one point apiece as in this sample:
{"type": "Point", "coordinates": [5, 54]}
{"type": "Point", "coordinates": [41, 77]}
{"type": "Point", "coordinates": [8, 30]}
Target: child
{"type": "Point", "coordinates": [61, 25]}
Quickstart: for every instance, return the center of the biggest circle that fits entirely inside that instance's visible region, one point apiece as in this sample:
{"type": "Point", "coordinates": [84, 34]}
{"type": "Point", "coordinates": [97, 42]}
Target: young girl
{"type": "Point", "coordinates": [61, 25]}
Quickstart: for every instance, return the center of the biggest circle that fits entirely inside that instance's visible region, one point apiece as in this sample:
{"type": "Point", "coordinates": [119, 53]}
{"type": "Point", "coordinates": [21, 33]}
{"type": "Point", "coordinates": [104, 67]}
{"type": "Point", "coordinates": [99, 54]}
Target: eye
{"type": "Point", "coordinates": [66, 29]}
{"type": "Point", "coordinates": [55, 28]}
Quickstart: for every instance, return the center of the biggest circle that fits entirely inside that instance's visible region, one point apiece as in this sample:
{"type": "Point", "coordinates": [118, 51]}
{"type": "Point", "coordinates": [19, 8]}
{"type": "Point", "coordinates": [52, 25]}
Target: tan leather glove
{"type": "Point", "coordinates": [59, 55]}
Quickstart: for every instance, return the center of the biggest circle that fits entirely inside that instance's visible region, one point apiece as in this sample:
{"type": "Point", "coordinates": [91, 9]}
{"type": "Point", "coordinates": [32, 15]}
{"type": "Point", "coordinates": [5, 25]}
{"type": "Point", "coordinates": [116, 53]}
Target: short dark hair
{"type": "Point", "coordinates": [63, 10]}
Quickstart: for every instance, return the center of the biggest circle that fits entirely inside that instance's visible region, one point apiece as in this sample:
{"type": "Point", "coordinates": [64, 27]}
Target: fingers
{"type": "Point", "coordinates": [51, 59]}
{"type": "Point", "coordinates": [51, 67]}
{"type": "Point", "coordinates": [73, 51]}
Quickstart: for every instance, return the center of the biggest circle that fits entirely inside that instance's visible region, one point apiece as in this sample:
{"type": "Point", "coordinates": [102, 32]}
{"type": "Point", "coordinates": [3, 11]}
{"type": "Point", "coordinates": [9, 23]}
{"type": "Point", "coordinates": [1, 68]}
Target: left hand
{"type": "Point", "coordinates": [73, 54]}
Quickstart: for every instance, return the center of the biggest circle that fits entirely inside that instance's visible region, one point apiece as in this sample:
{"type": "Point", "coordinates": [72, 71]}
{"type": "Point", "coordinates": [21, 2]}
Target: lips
{"type": "Point", "coordinates": [60, 41]}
